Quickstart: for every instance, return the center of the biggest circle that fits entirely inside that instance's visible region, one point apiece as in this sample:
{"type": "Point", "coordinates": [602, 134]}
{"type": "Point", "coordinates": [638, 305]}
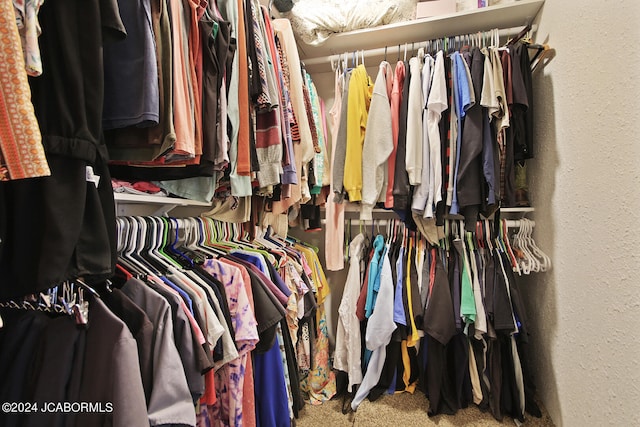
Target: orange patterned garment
{"type": "Point", "coordinates": [21, 151]}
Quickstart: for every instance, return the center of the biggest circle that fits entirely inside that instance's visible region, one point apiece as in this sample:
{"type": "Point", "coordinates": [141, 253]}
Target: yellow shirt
{"type": "Point", "coordinates": [359, 99]}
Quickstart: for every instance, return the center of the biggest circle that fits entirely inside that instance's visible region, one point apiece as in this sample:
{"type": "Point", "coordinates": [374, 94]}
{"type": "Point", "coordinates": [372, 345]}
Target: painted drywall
{"type": "Point", "coordinates": [584, 184]}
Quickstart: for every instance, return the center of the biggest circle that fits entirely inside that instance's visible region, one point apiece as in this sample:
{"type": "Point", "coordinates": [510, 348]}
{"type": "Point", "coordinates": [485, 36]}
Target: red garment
{"type": "Point", "coordinates": [362, 298]}
{"type": "Point", "coordinates": [183, 115]}
{"type": "Point", "coordinates": [396, 100]}
{"type": "Point", "coordinates": [147, 187]}
{"type": "Point", "coordinates": [196, 11]}
{"type": "Point", "coordinates": [209, 396]}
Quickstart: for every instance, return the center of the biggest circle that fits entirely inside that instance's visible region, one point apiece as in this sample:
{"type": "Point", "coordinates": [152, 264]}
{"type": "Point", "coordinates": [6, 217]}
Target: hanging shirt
{"type": "Point", "coordinates": [378, 142]}
{"type": "Point", "coordinates": [334, 231]}
{"type": "Point", "coordinates": [169, 381]}
{"type": "Point", "coordinates": [29, 28]}
{"type": "Point", "coordinates": [413, 154]}
{"type": "Point", "coordinates": [375, 267]}
{"type": "Point", "coordinates": [111, 362]}
{"type": "Point", "coordinates": [399, 315]}
{"type": "Point", "coordinates": [396, 100]}
{"type": "Point", "coordinates": [320, 382]}
{"type": "Point", "coordinates": [463, 101]}
{"type": "Point", "coordinates": [360, 91]}
{"type": "Point", "coordinates": [469, 178]}
{"type": "Point", "coordinates": [21, 151]}
{"type": "Point", "coordinates": [230, 378]}
{"type": "Point", "coordinates": [346, 356]}
{"type": "Point", "coordinates": [421, 192]}
{"type": "Point", "coordinates": [284, 29]}
{"type": "Point", "coordinates": [378, 335]}
{"type": "Point", "coordinates": [131, 91]}
{"type": "Point", "coordinates": [436, 105]}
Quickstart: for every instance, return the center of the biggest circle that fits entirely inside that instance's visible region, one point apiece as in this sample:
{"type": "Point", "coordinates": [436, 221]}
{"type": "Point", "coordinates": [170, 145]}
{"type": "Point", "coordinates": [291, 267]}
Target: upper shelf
{"type": "Point", "coordinates": [147, 204]}
{"type": "Point", "coordinates": [160, 200]}
{"type": "Point", "coordinates": [512, 15]}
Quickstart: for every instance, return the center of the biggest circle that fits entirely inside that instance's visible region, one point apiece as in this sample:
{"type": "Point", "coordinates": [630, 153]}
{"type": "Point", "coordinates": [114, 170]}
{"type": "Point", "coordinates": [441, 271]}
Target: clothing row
{"type": "Point", "coordinates": [448, 320]}
{"type": "Point", "coordinates": [115, 84]}
{"type": "Point", "coordinates": [209, 329]}
{"type": "Point", "coordinates": [438, 134]}
{"type": "Point", "coordinates": [220, 91]}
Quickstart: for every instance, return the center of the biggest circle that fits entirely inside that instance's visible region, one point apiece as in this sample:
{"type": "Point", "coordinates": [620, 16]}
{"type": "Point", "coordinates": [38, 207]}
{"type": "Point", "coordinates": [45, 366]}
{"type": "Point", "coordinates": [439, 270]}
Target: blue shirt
{"type": "Point", "coordinates": [398, 307]}
{"type": "Point", "coordinates": [183, 294]}
{"type": "Point", "coordinates": [462, 101]}
{"type": "Point", "coordinates": [270, 389]}
{"type": "Point", "coordinates": [375, 266]}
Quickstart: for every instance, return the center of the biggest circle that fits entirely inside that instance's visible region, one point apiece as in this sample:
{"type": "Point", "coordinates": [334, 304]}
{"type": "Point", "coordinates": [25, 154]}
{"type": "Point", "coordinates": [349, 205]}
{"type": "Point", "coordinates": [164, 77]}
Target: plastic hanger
{"type": "Point", "coordinates": [543, 259]}
{"type": "Point", "coordinates": [139, 251]}
{"type": "Point", "coordinates": [204, 238]}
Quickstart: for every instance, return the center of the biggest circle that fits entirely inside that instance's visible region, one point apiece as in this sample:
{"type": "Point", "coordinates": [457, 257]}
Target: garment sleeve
{"type": "Point", "coordinates": [378, 144]}
{"type": "Point", "coordinates": [129, 406]}
{"type": "Point", "coordinates": [381, 324]}
{"type": "Point", "coordinates": [413, 155]}
{"type": "Point", "coordinates": [170, 401]}
{"type": "Point", "coordinates": [112, 26]}
{"type": "Point", "coordinates": [356, 125]}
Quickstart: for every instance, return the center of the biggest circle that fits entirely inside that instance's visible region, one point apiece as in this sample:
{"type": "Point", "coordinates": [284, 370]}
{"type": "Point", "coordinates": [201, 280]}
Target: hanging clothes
{"type": "Point", "coordinates": [451, 320]}
{"type": "Point", "coordinates": [379, 329]}
{"type": "Point", "coordinates": [21, 151]}
{"type": "Point", "coordinates": [378, 142]}
{"type": "Point", "coordinates": [347, 354]}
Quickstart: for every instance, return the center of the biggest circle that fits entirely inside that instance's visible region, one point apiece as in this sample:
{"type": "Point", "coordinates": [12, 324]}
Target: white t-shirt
{"type": "Point", "coordinates": [436, 104]}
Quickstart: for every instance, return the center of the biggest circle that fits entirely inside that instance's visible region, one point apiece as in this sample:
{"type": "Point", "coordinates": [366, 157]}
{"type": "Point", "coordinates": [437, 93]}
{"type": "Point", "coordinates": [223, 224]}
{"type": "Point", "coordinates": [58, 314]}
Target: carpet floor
{"type": "Point", "coordinates": [403, 410]}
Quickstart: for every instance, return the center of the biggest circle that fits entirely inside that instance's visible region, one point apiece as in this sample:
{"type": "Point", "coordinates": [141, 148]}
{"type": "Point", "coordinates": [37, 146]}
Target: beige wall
{"type": "Point", "coordinates": [584, 185]}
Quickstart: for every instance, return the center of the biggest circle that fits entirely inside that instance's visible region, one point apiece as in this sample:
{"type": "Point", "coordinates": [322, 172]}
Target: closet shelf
{"type": "Point", "coordinates": [512, 15]}
{"type": "Point", "coordinates": [165, 204]}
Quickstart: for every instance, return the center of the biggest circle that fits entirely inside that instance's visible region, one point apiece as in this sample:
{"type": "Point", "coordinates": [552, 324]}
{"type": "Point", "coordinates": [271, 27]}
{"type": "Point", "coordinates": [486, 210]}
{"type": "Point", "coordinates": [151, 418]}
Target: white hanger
{"type": "Point", "coordinates": [530, 264]}
{"type": "Point", "coordinates": [545, 261]}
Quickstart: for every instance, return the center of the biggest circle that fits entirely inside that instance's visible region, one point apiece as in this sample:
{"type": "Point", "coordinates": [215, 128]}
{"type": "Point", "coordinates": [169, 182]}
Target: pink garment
{"type": "Point", "coordinates": [182, 109]}
{"type": "Point", "coordinates": [396, 100]}
{"type": "Point", "coordinates": [334, 230]}
{"type": "Point", "coordinates": [248, 397]}
{"type": "Point", "coordinates": [230, 378]}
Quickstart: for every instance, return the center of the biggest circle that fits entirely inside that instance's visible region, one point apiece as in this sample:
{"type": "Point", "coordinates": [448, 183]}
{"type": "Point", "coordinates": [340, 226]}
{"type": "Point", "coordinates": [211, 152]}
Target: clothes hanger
{"type": "Point", "coordinates": [504, 237]}
{"type": "Point", "coordinates": [544, 262]}
{"type": "Point", "coordinates": [531, 247]}
{"type": "Point", "coordinates": [134, 253]}
{"type": "Point", "coordinates": [131, 264]}
{"type": "Point", "coordinates": [206, 239]}
{"type": "Point", "coordinates": [140, 251]}
{"type": "Point", "coordinates": [524, 260]}
{"type": "Point", "coordinates": [519, 36]}
{"type": "Point", "coordinates": [162, 243]}
{"type": "Point", "coordinates": [191, 239]}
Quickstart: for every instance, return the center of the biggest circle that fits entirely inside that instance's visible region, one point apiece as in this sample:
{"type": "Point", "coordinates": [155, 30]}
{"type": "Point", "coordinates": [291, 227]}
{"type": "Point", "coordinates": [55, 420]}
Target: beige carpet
{"type": "Point", "coordinates": [403, 410]}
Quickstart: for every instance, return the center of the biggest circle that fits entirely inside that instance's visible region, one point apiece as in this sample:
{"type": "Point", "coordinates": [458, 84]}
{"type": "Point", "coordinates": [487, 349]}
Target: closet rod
{"type": "Point", "coordinates": [511, 223]}
{"type": "Point", "coordinates": [390, 50]}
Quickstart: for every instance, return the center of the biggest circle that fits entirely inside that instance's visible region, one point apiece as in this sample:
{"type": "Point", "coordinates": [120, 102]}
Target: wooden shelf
{"type": "Point", "coordinates": [512, 15]}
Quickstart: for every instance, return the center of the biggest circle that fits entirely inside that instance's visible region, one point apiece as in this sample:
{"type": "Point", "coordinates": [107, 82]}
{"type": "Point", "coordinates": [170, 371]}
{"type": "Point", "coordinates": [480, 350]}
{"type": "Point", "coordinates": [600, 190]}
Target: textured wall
{"type": "Point", "coordinates": [584, 185]}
